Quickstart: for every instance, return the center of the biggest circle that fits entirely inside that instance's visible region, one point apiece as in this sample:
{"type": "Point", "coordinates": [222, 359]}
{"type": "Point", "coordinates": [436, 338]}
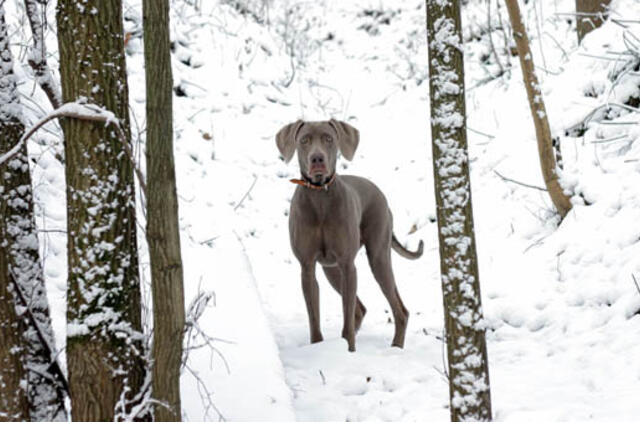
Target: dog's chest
{"type": "Point", "coordinates": [323, 232]}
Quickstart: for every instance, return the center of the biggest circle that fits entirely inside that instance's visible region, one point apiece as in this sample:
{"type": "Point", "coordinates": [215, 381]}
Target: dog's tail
{"type": "Point", "coordinates": [404, 251]}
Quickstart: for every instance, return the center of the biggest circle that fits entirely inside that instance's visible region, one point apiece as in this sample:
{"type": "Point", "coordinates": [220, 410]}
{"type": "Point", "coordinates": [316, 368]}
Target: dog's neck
{"type": "Point", "coordinates": [307, 183]}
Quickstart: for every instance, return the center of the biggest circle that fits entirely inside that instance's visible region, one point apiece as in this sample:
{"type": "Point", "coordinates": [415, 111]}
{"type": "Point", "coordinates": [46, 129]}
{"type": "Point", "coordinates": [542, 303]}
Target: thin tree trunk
{"type": "Point", "coordinates": [163, 233]}
{"type": "Point", "coordinates": [38, 54]}
{"type": "Point", "coordinates": [104, 339]}
{"type": "Point", "coordinates": [21, 256]}
{"type": "Point", "coordinates": [469, 390]}
{"type": "Point", "coordinates": [538, 112]}
{"type": "Point", "coordinates": [590, 14]}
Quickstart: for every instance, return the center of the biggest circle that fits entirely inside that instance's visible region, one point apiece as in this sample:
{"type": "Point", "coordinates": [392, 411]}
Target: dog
{"type": "Point", "coordinates": [332, 217]}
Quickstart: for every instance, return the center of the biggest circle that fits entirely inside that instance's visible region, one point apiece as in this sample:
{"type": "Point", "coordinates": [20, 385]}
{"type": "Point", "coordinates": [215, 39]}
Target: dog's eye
{"type": "Point", "coordinates": [327, 138]}
{"type": "Point", "coordinates": [304, 140]}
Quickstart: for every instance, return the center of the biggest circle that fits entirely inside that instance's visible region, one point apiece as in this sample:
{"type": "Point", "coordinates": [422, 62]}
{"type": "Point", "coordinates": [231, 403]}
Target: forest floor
{"type": "Point", "coordinates": [559, 298]}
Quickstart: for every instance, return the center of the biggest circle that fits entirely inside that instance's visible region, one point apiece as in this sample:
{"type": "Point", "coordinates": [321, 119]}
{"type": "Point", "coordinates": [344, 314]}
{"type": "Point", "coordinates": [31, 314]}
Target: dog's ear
{"type": "Point", "coordinates": [348, 138]}
{"type": "Point", "coordinates": [286, 139]}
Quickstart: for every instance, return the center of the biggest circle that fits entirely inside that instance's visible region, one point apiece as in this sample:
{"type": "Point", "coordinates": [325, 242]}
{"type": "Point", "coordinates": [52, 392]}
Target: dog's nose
{"type": "Point", "coordinates": [317, 159]}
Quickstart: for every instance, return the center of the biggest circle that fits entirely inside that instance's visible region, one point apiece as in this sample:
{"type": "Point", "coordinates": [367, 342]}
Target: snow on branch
{"type": "Point", "coordinates": [80, 110]}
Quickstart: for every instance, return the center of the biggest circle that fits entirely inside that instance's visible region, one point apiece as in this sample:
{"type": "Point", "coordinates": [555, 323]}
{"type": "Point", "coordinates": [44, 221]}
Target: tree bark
{"type": "Point", "coordinates": [163, 233]}
{"type": "Point", "coordinates": [22, 269]}
{"type": "Point", "coordinates": [538, 112]}
{"type": "Point", "coordinates": [104, 339]}
{"type": "Point", "coordinates": [14, 404]}
{"type": "Point", "coordinates": [469, 390]}
{"type": "Point", "coordinates": [590, 14]}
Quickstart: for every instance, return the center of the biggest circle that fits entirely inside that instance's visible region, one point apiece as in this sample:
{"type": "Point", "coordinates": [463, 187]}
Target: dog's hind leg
{"type": "Point", "coordinates": [381, 268]}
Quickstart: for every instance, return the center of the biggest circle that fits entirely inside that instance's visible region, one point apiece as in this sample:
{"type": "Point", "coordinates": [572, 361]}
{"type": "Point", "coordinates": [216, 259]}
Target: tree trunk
{"type": "Point", "coordinates": [22, 269]}
{"type": "Point", "coordinates": [465, 333]}
{"type": "Point", "coordinates": [13, 376]}
{"type": "Point", "coordinates": [590, 14]}
{"type": "Point", "coordinates": [104, 339]}
{"type": "Point", "coordinates": [538, 112]}
{"type": "Point", "coordinates": [38, 54]}
{"type": "Point", "coordinates": [163, 233]}
{"type": "Point", "coordinates": [14, 404]}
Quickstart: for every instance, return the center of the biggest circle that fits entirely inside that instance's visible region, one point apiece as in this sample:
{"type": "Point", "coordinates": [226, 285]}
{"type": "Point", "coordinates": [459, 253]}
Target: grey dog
{"type": "Point", "coordinates": [331, 218]}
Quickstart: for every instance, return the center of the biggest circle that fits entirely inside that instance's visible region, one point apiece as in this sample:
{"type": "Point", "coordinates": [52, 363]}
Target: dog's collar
{"type": "Point", "coordinates": [307, 184]}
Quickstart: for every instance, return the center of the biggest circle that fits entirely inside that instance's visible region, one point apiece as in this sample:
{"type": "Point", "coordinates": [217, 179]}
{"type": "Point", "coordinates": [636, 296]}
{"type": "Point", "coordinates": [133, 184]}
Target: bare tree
{"type": "Point", "coordinates": [469, 390]}
{"type": "Point", "coordinates": [590, 14]}
{"type": "Point", "coordinates": [104, 339]}
{"type": "Point", "coordinates": [163, 232]}
{"type": "Point", "coordinates": [21, 271]}
{"type": "Point", "coordinates": [546, 150]}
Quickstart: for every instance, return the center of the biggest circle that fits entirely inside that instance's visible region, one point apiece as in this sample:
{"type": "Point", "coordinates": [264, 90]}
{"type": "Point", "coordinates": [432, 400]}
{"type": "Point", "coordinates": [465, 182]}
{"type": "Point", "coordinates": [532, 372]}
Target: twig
{"type": "Point", "coordinates": [324, 380]}
{"type": "Point", "coordinates": [443, 344]}
{"type": "Point", "coordinates": [484, 81]}
{"type": "Point", "coordinates": [635, 282]}
{"type": "Point", "coordinates": [613, 139]}
{"type": "Point", "coordinates": [606, 123]}
{"type": "Point", "coordinates": [544, 60]}
{"type": "Point", "coordinates": [564, 53]}
{"type": "Point", "coordinates": [581, 126]}
{"type": "Point", "coordinates": [534, 244]}
{"type": "Point", "coordinates": [480, 133]}
{"type": "Point", "coordinates": [255, 179]}
{"type": "Point", "coordinates": [519, 183]}
{"type": "Point", "coordinates": [206, 395]}
{"type": "Point", "coordinates": [208, 241]}
{"type": "Point", "coordinates": [491, 44]}
{"type": "Point", "coordinates": [594, 56]}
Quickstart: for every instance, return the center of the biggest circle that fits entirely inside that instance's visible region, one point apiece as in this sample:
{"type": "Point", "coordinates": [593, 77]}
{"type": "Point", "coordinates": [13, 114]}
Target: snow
{"type": "Point", "coordinates": [560, 306]}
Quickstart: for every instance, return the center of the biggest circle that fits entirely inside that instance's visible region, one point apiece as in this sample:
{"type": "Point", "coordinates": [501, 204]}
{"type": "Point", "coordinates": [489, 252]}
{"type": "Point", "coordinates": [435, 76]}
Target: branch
{"type": "Point", "coordinates": [636, 282]}
{"type": "Point", "coordinates": [519, 183]}
{"type": "Point", "coordinates": [82, 111]}
{"type": "Point", "coordinates": [581, 127]}
{"type": "Point", "coordinates": [491, 44]}
{"type": "Point", "coordinates": [255, 179]}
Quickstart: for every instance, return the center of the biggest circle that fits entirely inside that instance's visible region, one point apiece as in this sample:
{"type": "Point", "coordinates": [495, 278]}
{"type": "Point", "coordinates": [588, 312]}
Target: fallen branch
{"type": "Point", "coordinates": [635, 282]}
{"type": "Point", "coordinates": [82, 111]}
{"type": "Point", "coordinates": [470, 129]}
{"type": "Point", "coordinates": [581, 127]}
{"type": "Point", "coordinates": [255, 179]}
{"type": "Point", "coordinates": [519, 183]}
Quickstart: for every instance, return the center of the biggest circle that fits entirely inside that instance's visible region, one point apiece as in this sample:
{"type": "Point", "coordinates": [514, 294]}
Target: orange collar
{"type": "Point", "coordinates": [310, 185]}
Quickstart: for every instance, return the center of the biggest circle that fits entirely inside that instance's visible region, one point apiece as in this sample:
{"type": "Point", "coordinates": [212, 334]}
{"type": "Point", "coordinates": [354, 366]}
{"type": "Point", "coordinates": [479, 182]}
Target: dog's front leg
{"type": "Point", "coordinates": [312, 299]}
{"type": "Point", "coordinates": [349, 287]}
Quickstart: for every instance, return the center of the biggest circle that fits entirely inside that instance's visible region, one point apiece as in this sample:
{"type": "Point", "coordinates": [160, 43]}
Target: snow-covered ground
{"type": "Point", "coordinates": [561, 305]}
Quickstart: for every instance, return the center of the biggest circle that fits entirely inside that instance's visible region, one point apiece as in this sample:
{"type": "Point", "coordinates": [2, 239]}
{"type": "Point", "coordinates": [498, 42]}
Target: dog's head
{"type": "Point", "coordinates": [317, 145]}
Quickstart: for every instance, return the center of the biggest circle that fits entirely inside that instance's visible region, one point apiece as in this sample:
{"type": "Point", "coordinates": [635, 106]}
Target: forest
{"type": "Point", "coordinates": [465, 173]}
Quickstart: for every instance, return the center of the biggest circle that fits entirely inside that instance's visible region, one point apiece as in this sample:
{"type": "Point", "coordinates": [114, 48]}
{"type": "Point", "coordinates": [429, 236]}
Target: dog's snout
{"type": "Point", "coordinates": [317, 159]}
